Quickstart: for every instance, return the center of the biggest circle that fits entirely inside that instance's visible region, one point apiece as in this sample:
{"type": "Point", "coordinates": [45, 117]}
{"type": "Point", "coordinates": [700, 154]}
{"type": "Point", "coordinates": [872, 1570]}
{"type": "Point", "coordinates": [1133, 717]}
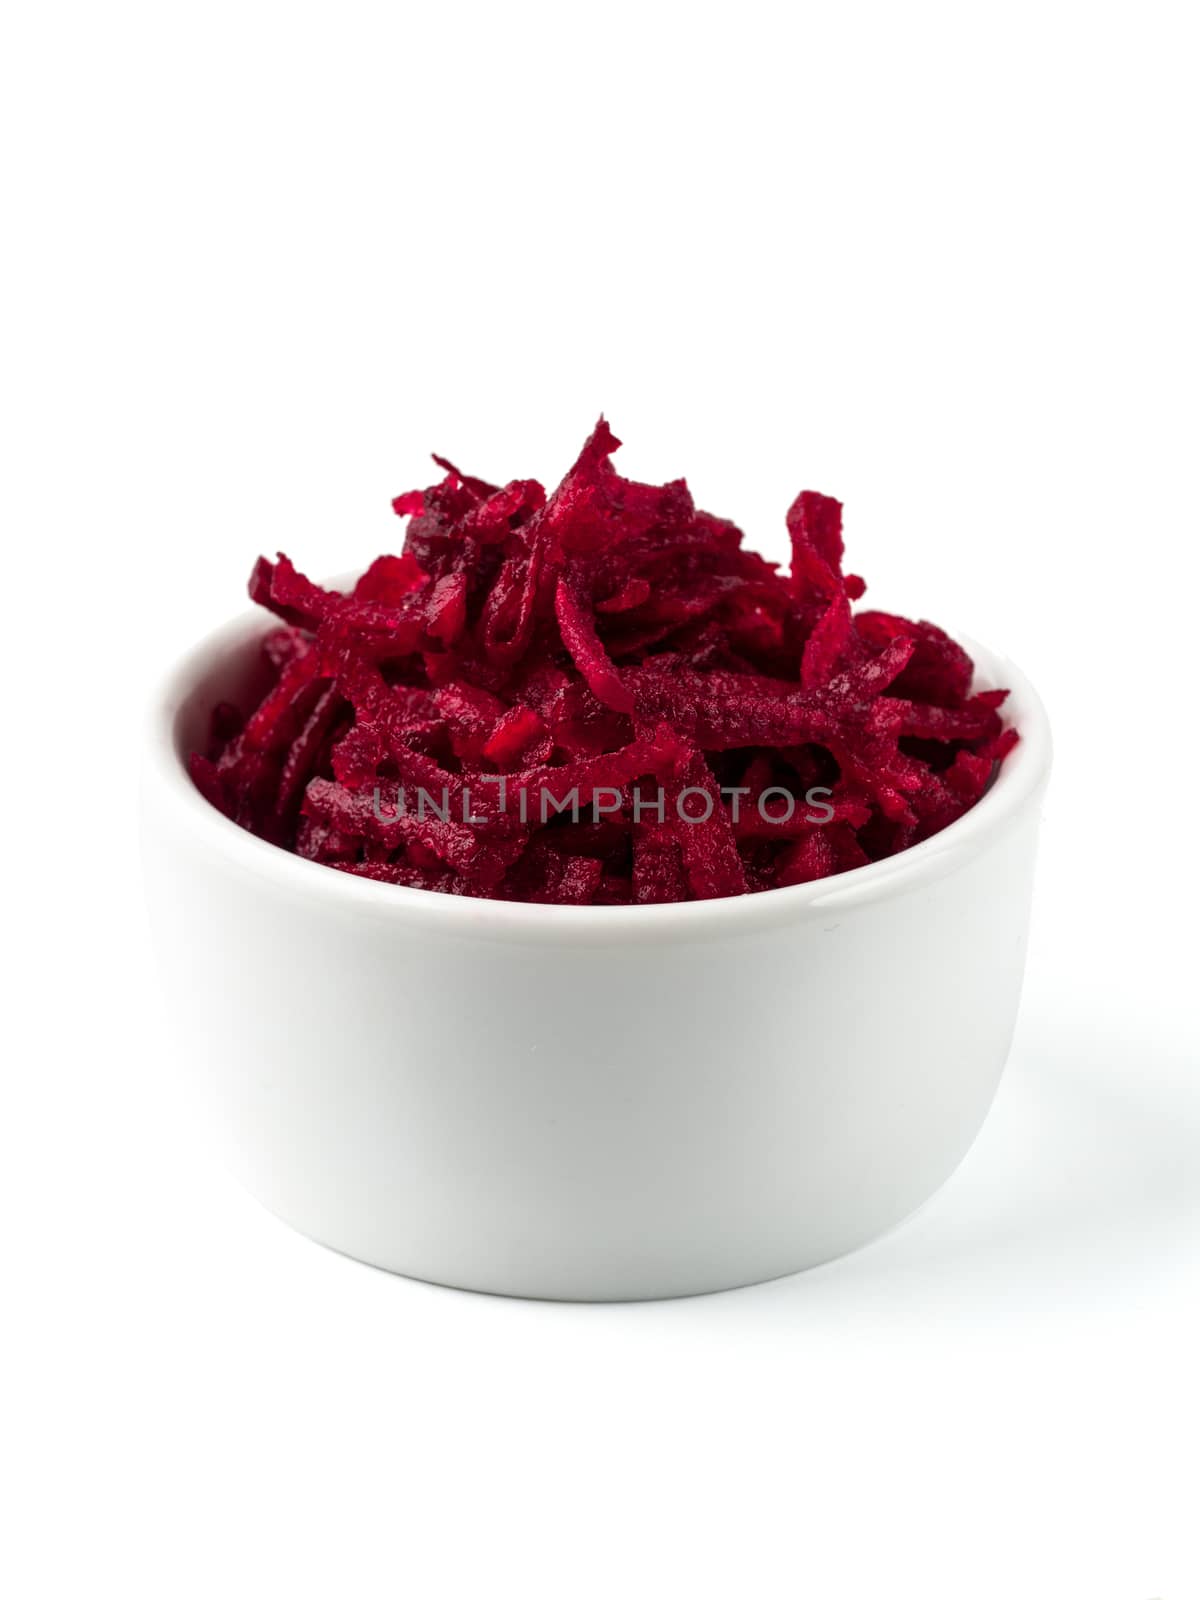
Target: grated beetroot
{"type": "Point", "coordinates": [598, 698]}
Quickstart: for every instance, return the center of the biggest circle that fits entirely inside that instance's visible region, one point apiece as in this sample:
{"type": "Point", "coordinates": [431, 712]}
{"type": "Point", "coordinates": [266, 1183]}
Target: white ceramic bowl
{"type": "Point", "coordinates": [587, 1103]}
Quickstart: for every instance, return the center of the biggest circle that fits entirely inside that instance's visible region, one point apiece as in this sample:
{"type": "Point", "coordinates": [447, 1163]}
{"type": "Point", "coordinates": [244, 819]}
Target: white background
{"type": "Point", "coordinates": [940, 261]}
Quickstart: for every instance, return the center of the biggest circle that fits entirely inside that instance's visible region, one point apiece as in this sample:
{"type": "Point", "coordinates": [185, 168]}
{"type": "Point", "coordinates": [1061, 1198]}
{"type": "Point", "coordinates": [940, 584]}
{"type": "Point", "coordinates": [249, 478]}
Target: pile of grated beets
{"type": "Point", "coordinates": [717, 727]}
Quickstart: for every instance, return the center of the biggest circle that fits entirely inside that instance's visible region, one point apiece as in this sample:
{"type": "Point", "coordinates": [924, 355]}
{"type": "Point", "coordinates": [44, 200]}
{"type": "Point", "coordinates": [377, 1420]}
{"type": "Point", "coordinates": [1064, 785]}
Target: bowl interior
{"type": "Point", "coordinates": [233, 669]}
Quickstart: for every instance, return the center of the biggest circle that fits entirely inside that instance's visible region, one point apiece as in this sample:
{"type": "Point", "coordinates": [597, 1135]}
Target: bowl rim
{"type": "Point", "coordinates": [1019, 782]}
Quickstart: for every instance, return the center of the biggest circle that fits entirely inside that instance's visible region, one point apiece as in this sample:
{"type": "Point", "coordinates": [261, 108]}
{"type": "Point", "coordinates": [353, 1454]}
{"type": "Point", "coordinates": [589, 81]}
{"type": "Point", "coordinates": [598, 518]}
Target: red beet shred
{"type": "Point", "coordinates": [598, 698]}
